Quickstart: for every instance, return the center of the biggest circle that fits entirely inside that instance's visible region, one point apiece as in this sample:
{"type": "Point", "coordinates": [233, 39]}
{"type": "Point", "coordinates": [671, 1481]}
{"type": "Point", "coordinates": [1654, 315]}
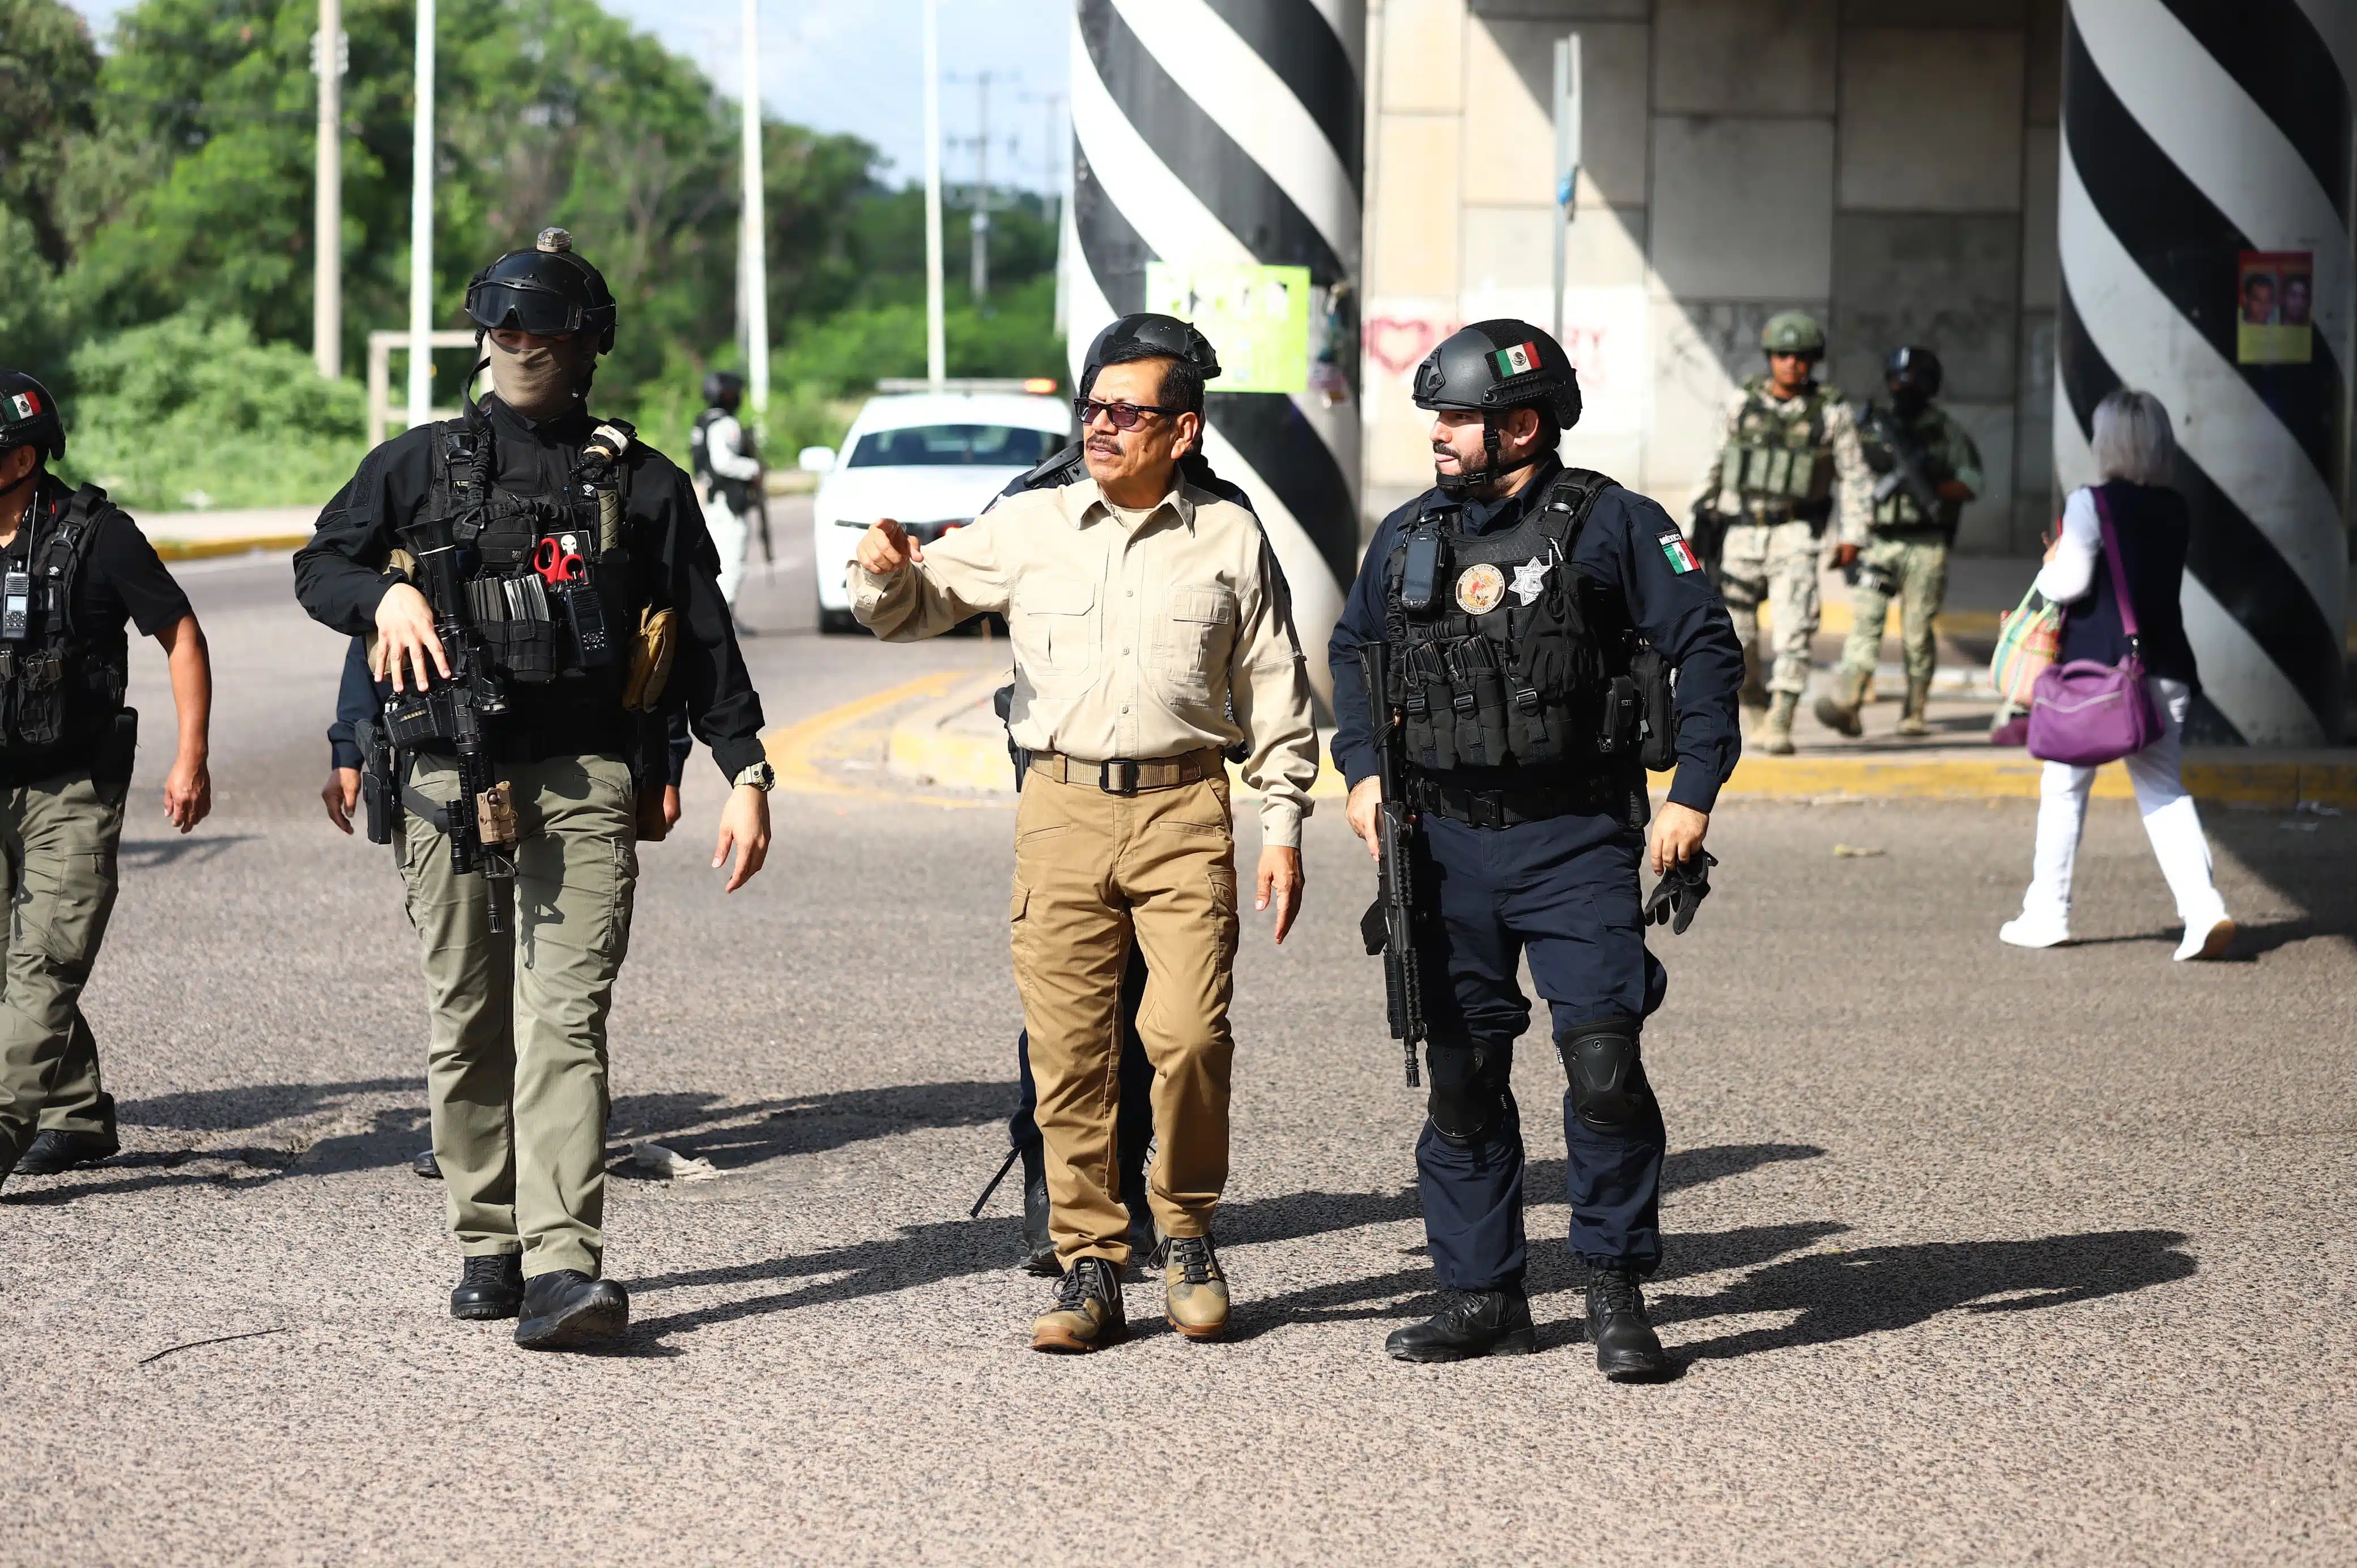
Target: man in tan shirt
{"type": "Point", "coordinates": [1151, 632]}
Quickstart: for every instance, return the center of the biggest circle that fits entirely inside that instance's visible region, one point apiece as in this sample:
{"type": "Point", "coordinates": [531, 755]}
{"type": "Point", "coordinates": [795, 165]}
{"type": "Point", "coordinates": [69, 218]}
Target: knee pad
{"type": "Point", "coordinates": [1609, 1092]}
{"type": "Point", "coordinates": [1468, 1102]}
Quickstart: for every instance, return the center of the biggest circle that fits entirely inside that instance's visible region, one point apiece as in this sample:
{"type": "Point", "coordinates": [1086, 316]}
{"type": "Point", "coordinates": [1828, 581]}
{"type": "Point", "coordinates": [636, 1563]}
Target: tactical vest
{"type": "Point", "coordinates": [1895, 506]}
{"type": "Point", "coordinates": [737, 493]}
{"type": "Point", "coordinates": [59, 683]}
{"type": "Point", "coordinates": [1782, 462]}
{"type": "Point", "coordinates": [548, 576]}
{"type": "Point", "coordinates": [1507, 667]}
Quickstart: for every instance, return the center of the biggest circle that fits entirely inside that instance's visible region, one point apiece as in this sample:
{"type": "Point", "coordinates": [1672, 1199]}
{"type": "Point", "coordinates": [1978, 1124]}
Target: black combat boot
{"type": "Point", "coordinates": [1039, 1244]}
{"type": "Point", "coordinates": [1474, 1323]}
{"type": "Point", "coordinates": [1144, 1250]}
{"type": "Point", "coordinates": [1627, 1348]}
{"type": "Point", "coordinates": [57, 1150]}
{"type": "Point", "coordinates": [567, 1309]}
{"type": "Point", "coordinates": [426, 1166]}
{"type": "Point", "coordinates": [490, 1286]}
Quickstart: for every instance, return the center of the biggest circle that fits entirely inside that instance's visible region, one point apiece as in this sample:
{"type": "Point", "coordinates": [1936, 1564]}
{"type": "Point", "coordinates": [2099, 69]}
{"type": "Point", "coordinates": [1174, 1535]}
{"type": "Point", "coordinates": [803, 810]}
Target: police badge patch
{"type": "Point", "coordinates": [1480, 588]}
{"type": "Point", "coordinates": [1530, 580]}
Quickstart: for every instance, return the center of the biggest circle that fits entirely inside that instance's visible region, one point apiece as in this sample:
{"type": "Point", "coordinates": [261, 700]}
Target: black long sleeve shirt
{"type": "Point", "coordinates": [339, 576]}
{"type": "Point", "coordinates": [1630, 546]}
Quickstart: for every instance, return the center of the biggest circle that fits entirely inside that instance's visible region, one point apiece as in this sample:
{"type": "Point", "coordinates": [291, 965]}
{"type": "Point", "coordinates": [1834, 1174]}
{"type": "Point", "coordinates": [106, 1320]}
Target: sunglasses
{"type": "Point", "coordinates": [1121, 415]}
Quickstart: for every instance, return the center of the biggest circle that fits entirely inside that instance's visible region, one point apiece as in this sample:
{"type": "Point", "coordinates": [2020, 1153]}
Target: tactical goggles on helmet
{"type": "Point", "coordinates": [1121, 415]}
{"type": "Point", "coordinates": [524, 305]}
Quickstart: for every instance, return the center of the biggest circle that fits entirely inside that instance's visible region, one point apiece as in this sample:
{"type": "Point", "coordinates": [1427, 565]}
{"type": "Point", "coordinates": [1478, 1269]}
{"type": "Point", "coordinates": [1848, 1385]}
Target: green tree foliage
{"type": "Point", "coordinates": [189, 411]}
{"type": "Point", "coordinates": [169, 187]}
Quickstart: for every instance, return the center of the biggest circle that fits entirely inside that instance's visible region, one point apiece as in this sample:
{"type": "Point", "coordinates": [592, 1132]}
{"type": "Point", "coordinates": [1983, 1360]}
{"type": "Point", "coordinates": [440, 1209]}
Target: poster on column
{"type": "Point", "coordinates": [1256, 318]}
{"type": "Point", "coordinates": [2275, 295]}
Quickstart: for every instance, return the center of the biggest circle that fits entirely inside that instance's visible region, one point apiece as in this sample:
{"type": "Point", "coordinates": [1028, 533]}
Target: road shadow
{"type": "Point", "coordinates": [735, 1136]}
{"type": "Point", "coordinates": [252, 1105]}
{"type": "Point", "coordinates": [936, 1252]}
{"type": "Point", "coordinates": [150, 853]}
{"type": "Point", "coordinates": [1845, 1295]}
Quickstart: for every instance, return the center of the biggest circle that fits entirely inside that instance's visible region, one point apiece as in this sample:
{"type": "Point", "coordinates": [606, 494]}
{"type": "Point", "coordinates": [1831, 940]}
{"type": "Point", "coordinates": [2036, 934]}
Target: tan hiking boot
{"type": "Point", "coordinates": [1776, 729]}
{"type": "Point", "coordinates": [1087, 1315]}
{"type": "Point", "coordinates": [1838, 709]}
{"type": "Point", "coordinates": [1194, 1290]}
{"type": "Point", "coordinates": [1911, 720]}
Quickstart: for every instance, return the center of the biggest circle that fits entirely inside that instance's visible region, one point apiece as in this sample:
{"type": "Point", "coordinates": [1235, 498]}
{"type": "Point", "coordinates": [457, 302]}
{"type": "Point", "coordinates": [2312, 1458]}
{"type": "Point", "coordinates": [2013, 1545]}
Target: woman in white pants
{"type": "Point", "coordinates": [2133, 450]}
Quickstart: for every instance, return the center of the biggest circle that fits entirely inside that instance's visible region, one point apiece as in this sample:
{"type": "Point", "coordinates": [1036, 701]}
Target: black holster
{"type": "Point", "coordinates": [380, 780]}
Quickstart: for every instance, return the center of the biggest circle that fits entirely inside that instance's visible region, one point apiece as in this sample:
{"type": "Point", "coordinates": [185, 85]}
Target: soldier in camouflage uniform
{"type": "Point", "coordinates": [1928, 469]}
{"type": "Point", "coordinates": [1789, 463]}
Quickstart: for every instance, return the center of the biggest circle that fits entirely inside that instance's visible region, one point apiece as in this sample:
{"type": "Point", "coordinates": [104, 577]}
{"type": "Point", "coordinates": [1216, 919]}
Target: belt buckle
{"type": "Point", "coordinates": [1488, 808]}
{"type": "Point", "coordinates": [1118, 776]}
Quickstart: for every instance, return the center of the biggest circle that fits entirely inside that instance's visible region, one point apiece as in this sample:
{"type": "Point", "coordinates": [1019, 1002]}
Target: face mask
{"type": "Point", "coordinates": [538, 382]}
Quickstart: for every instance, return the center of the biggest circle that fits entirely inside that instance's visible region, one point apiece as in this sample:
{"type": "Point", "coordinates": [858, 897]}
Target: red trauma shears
{"type": "Point", "coordinates": [558, 560]}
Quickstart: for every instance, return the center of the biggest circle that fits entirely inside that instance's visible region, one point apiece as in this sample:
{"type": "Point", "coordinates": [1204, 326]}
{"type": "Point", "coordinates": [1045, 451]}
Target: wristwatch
{"type": "Point", "coordinates": [760, 776]}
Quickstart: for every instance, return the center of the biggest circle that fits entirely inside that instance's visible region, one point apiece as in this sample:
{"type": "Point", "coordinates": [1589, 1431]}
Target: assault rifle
{"type": "Point", "coordinates": [1905, 466]}
{"type": "Point", "coordinates": [464, 714]}
{"type": "Point", "coordinates": [1389, 925]}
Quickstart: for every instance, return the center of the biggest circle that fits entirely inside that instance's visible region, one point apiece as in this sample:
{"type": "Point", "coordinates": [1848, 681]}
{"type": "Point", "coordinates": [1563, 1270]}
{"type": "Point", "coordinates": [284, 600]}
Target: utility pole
{"type": "Point", "coordinates": [421, 227]}
{"type": "Point", "coordinates": [980, 222]}
{"type": "Point", "coordinates": [330, 57]}
{"type": "Point", "coordinates": [936, 340]}
{"type": "Point", "coordinates": [1053, 136]}
{"type": "Point", "coordinates": [752, 259]}
{"type": "Point", "coordinates": [1566, 159]}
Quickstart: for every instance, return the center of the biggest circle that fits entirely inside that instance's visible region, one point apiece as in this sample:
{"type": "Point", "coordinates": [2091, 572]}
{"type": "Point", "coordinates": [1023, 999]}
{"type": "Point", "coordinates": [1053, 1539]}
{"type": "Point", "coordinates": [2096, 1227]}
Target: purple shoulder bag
{"type": "Point", "coordinates": [2087, 713]}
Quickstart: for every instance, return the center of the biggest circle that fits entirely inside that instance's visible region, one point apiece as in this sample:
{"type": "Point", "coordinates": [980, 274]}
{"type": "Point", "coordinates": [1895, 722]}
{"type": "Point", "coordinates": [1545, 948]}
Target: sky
{"type": "Point", "coordinates": [857, 66]}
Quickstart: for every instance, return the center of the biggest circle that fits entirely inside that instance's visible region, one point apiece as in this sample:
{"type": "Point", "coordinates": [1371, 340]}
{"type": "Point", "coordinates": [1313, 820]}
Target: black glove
{"type": "Point", "coordinates": [1680, 892]}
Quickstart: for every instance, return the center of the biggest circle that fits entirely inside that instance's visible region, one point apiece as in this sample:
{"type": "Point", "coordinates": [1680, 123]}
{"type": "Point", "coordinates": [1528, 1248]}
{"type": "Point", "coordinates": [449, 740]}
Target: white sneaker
{"type": "Point", "coordinates": [2028, 931]}
{"type": "Point", "coordinates": [2206, 940]}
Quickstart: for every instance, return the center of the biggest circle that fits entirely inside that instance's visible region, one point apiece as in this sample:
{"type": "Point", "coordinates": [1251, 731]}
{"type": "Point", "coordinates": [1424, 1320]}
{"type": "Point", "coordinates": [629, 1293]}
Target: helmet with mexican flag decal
{"type": "Point", "coordinates": [1492, 366]}
{"type": "Point", "coordinates": [29, 415]}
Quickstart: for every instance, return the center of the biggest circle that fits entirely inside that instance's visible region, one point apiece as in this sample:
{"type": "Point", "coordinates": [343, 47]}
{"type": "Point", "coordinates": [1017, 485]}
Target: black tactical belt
{"type": "Point", "coordinates": [1509, 808]}
{"type": "Point", "coordinates": [1123, 776]}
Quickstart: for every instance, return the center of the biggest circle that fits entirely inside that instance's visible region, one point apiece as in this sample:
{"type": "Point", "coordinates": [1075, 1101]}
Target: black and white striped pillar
{"type": "Point", "coordinates": [2193, 132]}
{"type": "Point", "coordinates": [1230, 132]}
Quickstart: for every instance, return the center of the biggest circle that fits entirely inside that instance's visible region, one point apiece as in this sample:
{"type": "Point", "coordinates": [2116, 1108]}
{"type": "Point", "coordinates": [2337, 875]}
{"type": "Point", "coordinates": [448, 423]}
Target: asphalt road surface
{"type": "Point", "coordinates": [1975, 1255]}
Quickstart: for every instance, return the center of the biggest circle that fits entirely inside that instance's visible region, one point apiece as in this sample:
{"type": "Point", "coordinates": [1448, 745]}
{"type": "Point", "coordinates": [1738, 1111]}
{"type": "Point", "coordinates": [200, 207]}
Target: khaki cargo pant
{"type": "Point", "coordinates": [1094, 873]}
{"type": "Point", "coordinates": [1922, 567]}
{"type": "Point", "coordinates": [1778, 565]}
{"type": "Point", "coordinates": [515, 1068]}
{"type": "Point", "coordinates": [60, 841]}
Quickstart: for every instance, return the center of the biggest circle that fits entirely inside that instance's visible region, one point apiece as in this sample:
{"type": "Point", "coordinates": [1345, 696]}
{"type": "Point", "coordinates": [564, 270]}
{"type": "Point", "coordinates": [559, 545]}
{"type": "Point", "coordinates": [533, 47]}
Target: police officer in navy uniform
{"type": "Point", "coordinates": [1543, 585]}
{"type": "Point", "coordinates": [1146, 334]}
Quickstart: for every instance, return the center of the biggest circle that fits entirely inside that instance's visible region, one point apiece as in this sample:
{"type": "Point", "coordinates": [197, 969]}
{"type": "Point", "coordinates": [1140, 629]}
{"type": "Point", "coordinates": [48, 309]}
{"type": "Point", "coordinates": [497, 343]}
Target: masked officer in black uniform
{"type": "Point", "coordinates": [1511, 595]}
{"type": "Point", "coordinates": [1144, 335]}
{"type": "Point", "coordinates": [569, 594]}
{"type": "Point", "coordinates": [73, 569]}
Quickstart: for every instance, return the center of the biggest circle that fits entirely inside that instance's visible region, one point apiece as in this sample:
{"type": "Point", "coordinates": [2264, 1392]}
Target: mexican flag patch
{"type": "Point", "coordinates": [1518, 360]}
{"type": "Point", "coordinates": [1681, 554]}
{"type": "Point", "coordinates": [25, 404]}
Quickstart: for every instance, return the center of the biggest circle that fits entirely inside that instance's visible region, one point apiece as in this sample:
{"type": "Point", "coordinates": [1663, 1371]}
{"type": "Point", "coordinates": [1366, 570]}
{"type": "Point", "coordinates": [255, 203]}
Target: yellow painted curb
{"type": "Point", "coordinates": [790, 746]}
{"type": "Point", "coordinates": [207, 549]}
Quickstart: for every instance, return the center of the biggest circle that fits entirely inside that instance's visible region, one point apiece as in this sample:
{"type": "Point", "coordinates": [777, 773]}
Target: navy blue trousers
{"type": "Point", "coordinates": [1564, 893]}
{"type": "Point", "coordinates": [1134, 1123]}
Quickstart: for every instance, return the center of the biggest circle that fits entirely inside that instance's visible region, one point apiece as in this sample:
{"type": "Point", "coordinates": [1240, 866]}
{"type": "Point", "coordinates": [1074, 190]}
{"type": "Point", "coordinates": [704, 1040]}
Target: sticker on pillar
{"type": "Point", "coordinates": [1679, 553]}
{"type": "Point", "coordinates": [2275, 301]}
{"type": "Point", "coordinates": [1256, 318]}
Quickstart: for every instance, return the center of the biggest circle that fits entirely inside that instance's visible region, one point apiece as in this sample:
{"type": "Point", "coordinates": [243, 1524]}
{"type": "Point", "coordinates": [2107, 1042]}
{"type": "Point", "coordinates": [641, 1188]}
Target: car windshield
{"type": "Point", "coordinates": [950, 445]}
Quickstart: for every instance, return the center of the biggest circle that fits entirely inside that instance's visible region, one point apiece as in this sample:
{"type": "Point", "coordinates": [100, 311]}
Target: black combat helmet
{"type": "Point", "coordinates": [548, 291]}
{"type": "Point", "coordinates": [1495, 367]}
{"type": "Point", "coordinates": [1912, 374]}
{"type": "Point", "coordinates": [29, 415]}
{"type": "Point", "coordinates": [722, 389]}
{"type": "Point", "coordinates": [1147, 335]}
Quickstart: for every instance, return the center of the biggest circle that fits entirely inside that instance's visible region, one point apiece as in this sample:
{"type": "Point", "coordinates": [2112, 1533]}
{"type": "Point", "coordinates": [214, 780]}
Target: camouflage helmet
{"type": "Point", "coordinates": [1792, 332]}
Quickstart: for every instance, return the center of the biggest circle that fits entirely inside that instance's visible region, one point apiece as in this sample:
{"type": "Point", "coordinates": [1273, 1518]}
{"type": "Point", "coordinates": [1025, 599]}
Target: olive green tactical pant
{"type": "Point", "coordinates": [515, 1067]}
{"type": "Point", "coordinates": [58, 843]}
{"type": "Point", "coordinates": [1921, 567]}
{"type": "Point", "coordinates": [1776, 565]}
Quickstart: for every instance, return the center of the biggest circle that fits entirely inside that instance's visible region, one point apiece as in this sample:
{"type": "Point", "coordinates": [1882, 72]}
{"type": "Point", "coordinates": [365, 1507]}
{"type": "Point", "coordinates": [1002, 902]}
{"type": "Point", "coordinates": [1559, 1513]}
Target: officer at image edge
{"type": "Point", "coordinates": [1530, 836]}
{"type": "Point", "coordinates": [73, 569]}
{"type": "Point", "coordinates": [516, 490]}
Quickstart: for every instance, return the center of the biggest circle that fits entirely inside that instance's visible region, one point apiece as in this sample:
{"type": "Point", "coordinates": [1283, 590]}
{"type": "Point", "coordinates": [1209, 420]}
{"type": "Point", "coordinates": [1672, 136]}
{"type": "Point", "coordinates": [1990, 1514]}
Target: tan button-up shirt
{"type": "Point", "coordinates": [1131, 640]}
